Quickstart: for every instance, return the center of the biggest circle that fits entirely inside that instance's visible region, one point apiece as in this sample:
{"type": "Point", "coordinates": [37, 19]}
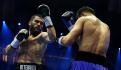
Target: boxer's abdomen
{"type": "Point", "coordinates": [31, 54]}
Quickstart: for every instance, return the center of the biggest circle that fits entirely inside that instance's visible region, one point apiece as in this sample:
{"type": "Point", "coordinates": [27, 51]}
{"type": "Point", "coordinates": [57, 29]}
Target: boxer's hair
{"type": "Point", "coordinates": [34, 17]}
{"type": "Point", "coordinates": [85, 9]}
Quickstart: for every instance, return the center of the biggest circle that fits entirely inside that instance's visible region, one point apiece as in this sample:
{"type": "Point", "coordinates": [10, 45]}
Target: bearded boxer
{"type": "Point", "coordinates": [94, 41]}
{"type": "Point", "coordinates": [32, 44]}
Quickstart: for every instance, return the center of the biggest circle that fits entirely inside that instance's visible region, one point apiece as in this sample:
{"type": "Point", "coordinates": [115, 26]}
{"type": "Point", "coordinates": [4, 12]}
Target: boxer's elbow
{"type": "Point", "coordinates": [52, 35]}
{"type": "Point", "coordinates": [52, 38]}
{"type": "Point", "coordinates": [9, 50]}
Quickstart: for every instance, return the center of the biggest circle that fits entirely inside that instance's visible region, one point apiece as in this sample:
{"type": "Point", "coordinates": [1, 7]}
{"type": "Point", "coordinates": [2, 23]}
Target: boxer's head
{"type": "Point", "coordinates": [36, 24]}
{"type": "Point", "coordinates": [84, 11]}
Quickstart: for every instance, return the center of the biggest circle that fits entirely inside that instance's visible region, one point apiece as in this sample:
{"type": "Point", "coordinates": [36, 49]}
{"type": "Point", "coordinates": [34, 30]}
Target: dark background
{"type": "Point", "coordinates": [109, 11]}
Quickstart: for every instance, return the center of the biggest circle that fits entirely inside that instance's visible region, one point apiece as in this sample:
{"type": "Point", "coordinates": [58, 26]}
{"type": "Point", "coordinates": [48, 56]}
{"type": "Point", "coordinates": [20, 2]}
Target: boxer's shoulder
{"type": "Point", "coordinates": [82, 18]}
{"type": "Point", "coordinates": [104, 25]}
{"type": "Point", "coordinates": [87, 18]}
{"type": "Point", "coordinates": [91, 18]}
{"type": "Point", "coordinates": [41, 35]}
{"type": "Point", "coordinates": [44, 34]}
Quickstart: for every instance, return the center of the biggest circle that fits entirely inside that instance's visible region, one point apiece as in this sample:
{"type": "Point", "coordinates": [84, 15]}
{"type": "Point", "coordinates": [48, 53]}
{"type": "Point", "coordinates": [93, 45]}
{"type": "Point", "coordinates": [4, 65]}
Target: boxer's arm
{"type": "Point", "coordinates": [51, 33]}
{"type": "Point", "coordinates": [22, 35]}
{"type": "Point", "coordinates": [68, 19]}
{"type": "Point", "coordinates": [10, 50]}
{"type": "Point", "coordinates": [73, 34]}
{"type": "Point", "coordinates": [44, 10]}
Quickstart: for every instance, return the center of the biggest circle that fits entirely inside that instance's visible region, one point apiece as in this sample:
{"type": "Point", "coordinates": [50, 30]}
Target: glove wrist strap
{"type": "Point", "coordinates": [15, 43]}
{"type": "Point", "coordinates": [48, 21]}
{"type": "Point", "coordinates": [59, 40]}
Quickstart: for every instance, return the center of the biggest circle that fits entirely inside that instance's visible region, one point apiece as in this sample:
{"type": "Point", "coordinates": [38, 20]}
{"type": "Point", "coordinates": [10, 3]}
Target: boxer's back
{"type": "Point", "coordinates": [95, 36]}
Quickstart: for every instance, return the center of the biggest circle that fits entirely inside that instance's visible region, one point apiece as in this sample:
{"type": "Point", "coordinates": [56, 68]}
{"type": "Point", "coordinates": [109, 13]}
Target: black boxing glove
{"type": "Point", "coordinates": [22, 34]}
{"type": "Point", "coordinates": [67, 18]}
{"type": "Point", "coordinates": [44, 10]}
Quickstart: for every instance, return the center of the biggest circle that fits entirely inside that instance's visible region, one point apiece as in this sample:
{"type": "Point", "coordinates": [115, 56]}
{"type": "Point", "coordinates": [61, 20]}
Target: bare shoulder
{"type": "Point", "coordinates": [45, 37]}
{"type": "Point", "coordinates": [44, 34]}
{"type": "Point", "coordinates": [105, 28]}
{"type": "Point", "coordinates": [82, 19]}
{"type": "Point", "coordinates": [40, 36]}
{"type": "Point", "coordinates": [92, 18]}
{"type": "Point", "coordinates": [104, 24]}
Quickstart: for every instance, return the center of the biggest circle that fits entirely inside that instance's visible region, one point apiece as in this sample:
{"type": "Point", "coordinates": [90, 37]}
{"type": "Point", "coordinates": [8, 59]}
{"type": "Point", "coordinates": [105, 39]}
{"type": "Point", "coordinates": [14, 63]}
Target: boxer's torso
{"type": "Point", "coordinates": [31, 51]}
{"type": "Point", "coordinates": [95, 36]}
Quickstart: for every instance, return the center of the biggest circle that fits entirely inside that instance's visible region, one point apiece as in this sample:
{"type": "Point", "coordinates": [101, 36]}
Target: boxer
{"type": "Point", "coordinates": [94, 41]}
{"type": "Point", "coordinates": [31, 44]}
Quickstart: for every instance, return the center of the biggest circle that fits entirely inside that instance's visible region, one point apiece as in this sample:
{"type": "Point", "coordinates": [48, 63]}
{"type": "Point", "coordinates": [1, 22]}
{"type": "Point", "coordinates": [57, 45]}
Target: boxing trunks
{"type": "Point", "coordinates": [29, 66]}
{"type": "Point", "coordinates": [88, 61]}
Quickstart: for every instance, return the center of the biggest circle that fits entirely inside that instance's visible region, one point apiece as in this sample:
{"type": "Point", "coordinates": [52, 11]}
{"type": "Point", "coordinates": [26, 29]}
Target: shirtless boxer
{"type": "Point", "coordinates": [94, 41]}
{"type": "Point", "coordinates": [32, 44]}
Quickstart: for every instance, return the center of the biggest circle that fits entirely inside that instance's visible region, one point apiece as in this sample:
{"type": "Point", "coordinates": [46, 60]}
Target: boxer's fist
{"type": "Point", "coordinates": [43, 10]}
{"type": "Point", "coordinates": [67, 19]}
{"type": "Point", "coordinates": [22, 34]}
{"type": "Point", "coordinates": [68, 15]}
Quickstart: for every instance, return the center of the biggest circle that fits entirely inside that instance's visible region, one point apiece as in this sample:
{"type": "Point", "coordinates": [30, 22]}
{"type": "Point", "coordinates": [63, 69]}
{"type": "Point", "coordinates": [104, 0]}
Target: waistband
{"type": "Point", "coordinates": [29, 66]}
{"type": "Point", "coordinates": [92, 58]}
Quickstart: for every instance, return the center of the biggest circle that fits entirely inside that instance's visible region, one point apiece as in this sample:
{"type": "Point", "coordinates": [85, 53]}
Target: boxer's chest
{"type": "Point", "coordinates": [33, 48]}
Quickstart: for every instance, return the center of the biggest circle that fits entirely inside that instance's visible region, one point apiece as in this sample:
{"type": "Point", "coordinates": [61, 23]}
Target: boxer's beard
{"type": "Point", "coordinates": [35, 31]}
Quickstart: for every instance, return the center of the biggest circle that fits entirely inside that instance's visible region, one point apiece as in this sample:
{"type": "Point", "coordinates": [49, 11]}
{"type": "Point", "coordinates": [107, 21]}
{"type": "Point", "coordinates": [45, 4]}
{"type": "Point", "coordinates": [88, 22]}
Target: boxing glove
{"type": "Point", "coordinates": [44, 10]}
{"type": "Point", "coordinates": [22, 34]}
{"type": "Point", "coordinates": [67, 19]}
